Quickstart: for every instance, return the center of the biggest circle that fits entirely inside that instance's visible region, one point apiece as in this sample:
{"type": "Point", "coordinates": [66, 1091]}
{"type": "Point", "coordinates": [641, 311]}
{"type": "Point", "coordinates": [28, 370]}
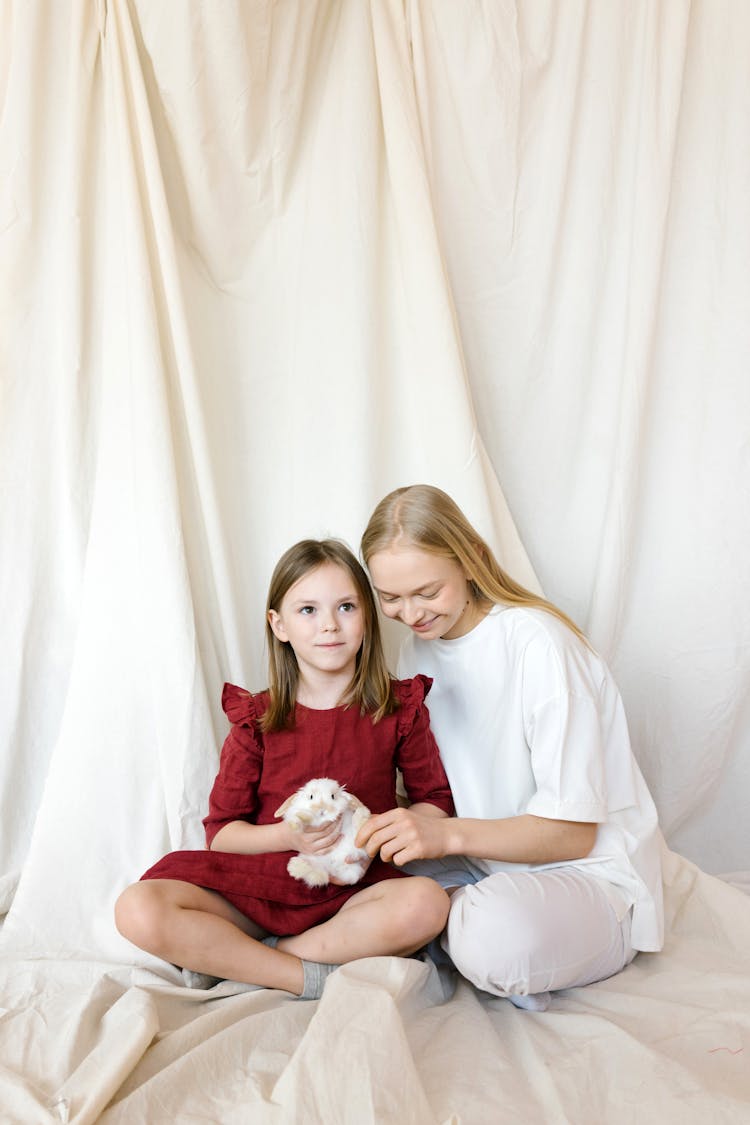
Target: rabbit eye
{"type": "Point", "coordinates": [311, 796]}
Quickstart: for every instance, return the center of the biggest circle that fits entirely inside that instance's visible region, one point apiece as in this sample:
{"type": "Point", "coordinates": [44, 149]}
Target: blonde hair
{"type": "Point", "coordinates": [429, 519]}
{"type": "Point", "coordinates": [371, 687]}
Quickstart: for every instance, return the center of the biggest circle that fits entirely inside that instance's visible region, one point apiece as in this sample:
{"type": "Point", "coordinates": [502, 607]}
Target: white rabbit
{"type": "Point", "coordinates": [321, 801]}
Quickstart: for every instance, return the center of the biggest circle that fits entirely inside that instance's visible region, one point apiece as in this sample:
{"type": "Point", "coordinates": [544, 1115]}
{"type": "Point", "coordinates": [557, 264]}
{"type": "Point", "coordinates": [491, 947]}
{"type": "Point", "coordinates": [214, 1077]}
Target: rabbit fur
{"type": "Point", "coordinates": [315, 804]}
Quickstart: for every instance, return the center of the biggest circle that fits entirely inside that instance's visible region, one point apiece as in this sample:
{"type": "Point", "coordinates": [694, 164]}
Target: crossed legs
{"type": "Point", "coordinates": [525, 933]}
{"type": "Point", "coordinates": [198, 929]}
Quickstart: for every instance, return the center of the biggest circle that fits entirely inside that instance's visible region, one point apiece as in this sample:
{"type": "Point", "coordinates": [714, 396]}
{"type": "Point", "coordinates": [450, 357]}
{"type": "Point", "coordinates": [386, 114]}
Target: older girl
{"type": "Point", "coordinates": [553, 860]}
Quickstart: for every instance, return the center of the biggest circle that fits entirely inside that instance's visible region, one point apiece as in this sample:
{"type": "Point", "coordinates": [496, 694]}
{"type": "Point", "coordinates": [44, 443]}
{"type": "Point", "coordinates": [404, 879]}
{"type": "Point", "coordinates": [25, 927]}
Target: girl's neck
{"type": "Point", "coordinates": [322, 695]}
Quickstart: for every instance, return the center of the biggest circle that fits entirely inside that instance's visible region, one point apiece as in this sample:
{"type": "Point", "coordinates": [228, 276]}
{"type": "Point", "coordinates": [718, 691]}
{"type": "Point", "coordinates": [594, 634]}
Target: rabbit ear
{"type": "Point", "coordinates": [287, 803]}
{"type": "Point", "coordinates": [354, 802]}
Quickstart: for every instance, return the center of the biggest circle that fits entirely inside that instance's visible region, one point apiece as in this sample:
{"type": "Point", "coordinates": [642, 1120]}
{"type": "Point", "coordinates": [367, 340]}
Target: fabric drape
{"type": "Point", "coordinates": [263, 262]}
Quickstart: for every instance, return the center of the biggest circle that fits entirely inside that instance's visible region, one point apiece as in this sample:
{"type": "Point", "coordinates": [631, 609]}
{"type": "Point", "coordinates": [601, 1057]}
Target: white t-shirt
{"type": "Point", "coordinates": [529, 720]}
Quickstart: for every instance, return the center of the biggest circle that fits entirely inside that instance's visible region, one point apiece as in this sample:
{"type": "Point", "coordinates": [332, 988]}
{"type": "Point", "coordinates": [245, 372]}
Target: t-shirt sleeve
{"type": "Point", "coordinates": [567, 760]}
{"type": "Point", "coordinates": [563, 729]}
{"type": "Point", "coordinates": [234, 792]}
{"type": "Point", "coordinates": [417, 754]}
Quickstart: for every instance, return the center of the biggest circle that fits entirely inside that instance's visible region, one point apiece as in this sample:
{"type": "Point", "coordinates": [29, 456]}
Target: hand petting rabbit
{"type": "Point", "coordinates": [322, 801]}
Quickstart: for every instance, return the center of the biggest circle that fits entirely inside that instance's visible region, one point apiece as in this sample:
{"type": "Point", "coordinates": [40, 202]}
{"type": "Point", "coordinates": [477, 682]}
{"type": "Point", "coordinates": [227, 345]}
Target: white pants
{"type": "Point", "coordinates": [526, 933]}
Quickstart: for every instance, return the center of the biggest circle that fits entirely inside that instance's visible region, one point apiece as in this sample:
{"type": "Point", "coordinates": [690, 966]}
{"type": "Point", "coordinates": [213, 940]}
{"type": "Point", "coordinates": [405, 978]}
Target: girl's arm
{"type": "Point", "coordinates": [424, 808]}
{"type": "Point", "coordinates": [233, 799]}
{"type": "Point", "coordinates": [418, 757]}
{"type": "Point", "coordinates": [251, 839]}
{"type": "Point", "coordinates": [402, 835]}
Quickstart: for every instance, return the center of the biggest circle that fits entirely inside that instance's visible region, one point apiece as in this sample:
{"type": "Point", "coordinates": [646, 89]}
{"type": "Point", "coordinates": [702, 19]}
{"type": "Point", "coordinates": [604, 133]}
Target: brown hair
{"type": "Point", "coordinates": [428, 518]}
{"type": "Point", "coordinates": [371, 686]}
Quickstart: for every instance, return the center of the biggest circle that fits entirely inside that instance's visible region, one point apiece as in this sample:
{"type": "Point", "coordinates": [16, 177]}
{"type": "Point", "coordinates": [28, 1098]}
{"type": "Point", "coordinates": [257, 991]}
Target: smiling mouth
{"type": "Point", "coordinates": [423, 626]}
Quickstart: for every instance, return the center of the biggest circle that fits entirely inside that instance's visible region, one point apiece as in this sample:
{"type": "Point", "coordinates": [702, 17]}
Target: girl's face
{"type": "Point", "coordinates": [322, 618]}
{"type": "Point", "coordinates": [429, 593]}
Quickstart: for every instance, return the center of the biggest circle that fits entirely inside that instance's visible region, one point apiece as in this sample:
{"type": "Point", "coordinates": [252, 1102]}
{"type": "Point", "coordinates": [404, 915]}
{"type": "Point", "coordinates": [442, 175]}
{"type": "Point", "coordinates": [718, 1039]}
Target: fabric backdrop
{"type": "Point", "coordinates": [262, 262]}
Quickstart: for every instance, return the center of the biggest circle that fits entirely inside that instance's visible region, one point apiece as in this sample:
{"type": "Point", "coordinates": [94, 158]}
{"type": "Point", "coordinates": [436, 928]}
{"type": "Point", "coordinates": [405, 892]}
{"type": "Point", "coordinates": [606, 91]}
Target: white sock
{"type": "Point", "coordinates": [536, 1002]}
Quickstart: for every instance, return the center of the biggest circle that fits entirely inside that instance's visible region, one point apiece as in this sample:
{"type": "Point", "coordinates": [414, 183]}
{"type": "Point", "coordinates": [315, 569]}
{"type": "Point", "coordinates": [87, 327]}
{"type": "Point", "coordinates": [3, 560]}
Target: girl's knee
{"type": "Point", "coordinates": [467, 936]}
{"type": "Point", "coordinates": [125, 909]}
{"type": "Point", "coordinates": [137, 914]}
{"type": "Point", "coordinates": [428, 908]}
{"type": "Point", "coordinates": [495, 950]}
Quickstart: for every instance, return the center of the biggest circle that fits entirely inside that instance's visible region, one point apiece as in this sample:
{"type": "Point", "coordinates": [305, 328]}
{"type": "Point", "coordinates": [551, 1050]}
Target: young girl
{"type": "Point", "coordinates": [331, 710]}
{"type": "Point", "coordinates": [560, 882]}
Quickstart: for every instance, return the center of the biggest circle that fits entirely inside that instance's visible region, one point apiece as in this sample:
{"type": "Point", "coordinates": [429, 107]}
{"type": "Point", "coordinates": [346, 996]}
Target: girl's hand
{"type": "Point", "coordinates": [402, 835]}
{"type": "Point", "coordinates": [339, 882]}
{"type": "Point", "coordinates": [315, 841]}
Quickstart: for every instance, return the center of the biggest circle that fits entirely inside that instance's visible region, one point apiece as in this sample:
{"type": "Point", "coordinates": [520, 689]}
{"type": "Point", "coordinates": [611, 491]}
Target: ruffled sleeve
{"type": "Point", "coordinates": [234, 792]}
{"type": "Point", "coordinates": [417, 756]}
{"type": "Point", "coordinates": [238, 705]}
{"type": "Point", "coordinates": [411, 695]}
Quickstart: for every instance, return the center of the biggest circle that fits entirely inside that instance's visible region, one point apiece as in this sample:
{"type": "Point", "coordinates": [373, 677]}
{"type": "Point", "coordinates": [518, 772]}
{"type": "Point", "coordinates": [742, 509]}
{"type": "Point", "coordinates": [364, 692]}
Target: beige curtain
{"type": "Point", "coordinates": [262, 262]}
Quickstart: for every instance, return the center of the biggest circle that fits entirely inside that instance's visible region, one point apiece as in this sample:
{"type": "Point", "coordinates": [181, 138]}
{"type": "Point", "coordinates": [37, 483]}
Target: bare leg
{"type": "Point", "coordinates": [198, 929]}
{"type": "Point", "coordinates": [396, 916]}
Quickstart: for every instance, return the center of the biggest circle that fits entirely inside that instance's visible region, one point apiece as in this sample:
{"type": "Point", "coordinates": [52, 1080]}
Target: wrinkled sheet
{"type": "Point", "coordinates": [259, 263]}
{"type": "Point", "coordinates": [393, 1040]}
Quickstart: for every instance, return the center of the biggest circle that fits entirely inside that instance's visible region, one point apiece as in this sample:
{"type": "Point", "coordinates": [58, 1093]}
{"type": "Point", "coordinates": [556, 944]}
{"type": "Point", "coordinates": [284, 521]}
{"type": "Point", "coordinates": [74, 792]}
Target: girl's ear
{"type": "Point", "coordinates": [277, 626]}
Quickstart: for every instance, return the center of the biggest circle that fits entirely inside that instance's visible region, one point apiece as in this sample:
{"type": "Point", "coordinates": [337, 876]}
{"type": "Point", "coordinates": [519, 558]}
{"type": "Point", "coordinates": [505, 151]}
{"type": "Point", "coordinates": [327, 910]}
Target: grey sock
{"type": "Point", "coordinates": [316, 974]}
{"type": "Point", "coordinates": [199, 980]}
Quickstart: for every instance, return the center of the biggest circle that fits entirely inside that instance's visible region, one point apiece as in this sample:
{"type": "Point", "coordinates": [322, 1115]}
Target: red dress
{"type": "Point", "coordinates": [258, 771]}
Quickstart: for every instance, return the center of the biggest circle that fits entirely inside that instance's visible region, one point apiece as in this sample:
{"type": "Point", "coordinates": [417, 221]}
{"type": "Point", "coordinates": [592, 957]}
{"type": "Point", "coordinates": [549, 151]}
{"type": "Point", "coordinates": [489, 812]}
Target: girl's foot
{"type": "Point", "coordinates": [199, 980]}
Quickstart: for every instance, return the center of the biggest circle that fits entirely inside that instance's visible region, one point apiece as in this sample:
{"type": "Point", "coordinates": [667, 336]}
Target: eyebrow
{"type": "Point", "coordinates": [312, 601]}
